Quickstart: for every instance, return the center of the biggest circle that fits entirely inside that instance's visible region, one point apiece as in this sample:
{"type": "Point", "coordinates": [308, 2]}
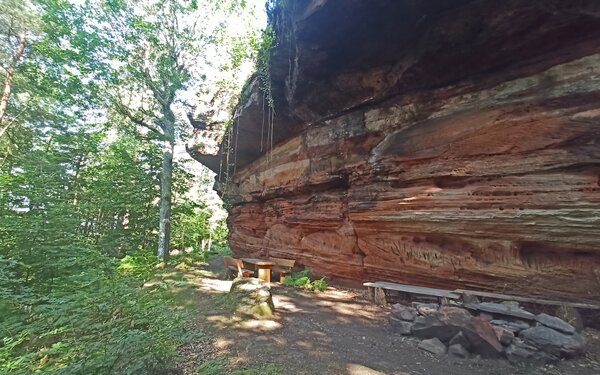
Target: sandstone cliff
{"type": "Point", "coordinates": [439, 143]}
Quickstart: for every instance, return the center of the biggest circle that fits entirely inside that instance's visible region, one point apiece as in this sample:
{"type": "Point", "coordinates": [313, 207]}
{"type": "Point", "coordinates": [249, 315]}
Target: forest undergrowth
{"type": "Point", "coordinates": [106, 318]}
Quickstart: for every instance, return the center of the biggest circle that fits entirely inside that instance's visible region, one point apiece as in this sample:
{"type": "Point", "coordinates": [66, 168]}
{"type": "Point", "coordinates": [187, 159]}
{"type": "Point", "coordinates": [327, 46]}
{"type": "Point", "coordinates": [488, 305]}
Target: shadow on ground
{"type": "Point", "coordinates": [334, 332]}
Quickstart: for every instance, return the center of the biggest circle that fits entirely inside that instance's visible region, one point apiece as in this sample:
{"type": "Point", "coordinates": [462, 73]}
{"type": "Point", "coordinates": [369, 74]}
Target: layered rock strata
{"type": "Point", "coordinates": [444, 144]}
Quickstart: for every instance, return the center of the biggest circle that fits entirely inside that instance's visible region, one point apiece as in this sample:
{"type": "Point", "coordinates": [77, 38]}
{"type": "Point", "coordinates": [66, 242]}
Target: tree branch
{"type": "Point", "coordinates": [155, 91]}
{"type": "Point", "coordinates": [123, 110]}
{"type": "Point", "coordinates": [4, 128]}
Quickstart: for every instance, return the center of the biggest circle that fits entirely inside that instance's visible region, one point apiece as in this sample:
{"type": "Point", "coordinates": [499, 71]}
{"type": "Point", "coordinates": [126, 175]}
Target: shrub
{"type": "Point", "coordinates": [302, 279]}
{"type": "Point", "coordinates": [99, 321]}
{"type": "Point", "coordinates": [188, 259]}
{"type": "Point", "coordinates": [319, 284]}
{"type": "Point", "coordinates": [141, 264]}
{"type": "Point", "coordinates": [221, 249]}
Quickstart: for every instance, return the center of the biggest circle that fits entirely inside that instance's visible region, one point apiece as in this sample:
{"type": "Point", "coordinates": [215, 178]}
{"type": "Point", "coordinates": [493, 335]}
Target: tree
{"type": "Point", "coordinates": [18, 22]}
{"type": "Point", "coordinates": [78, 182]}
{"type": "Point", "coordinates": [156, 47]}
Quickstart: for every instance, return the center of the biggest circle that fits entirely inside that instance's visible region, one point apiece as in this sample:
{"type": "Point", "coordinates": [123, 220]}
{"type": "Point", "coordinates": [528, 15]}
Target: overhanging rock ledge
{"type": "Point", "coordinates": [438, 143]}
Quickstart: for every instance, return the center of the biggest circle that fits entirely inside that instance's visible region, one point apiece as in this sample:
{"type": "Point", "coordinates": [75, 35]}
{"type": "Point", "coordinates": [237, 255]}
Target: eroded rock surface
{"type": "Point", "coordinates": [439, 143]}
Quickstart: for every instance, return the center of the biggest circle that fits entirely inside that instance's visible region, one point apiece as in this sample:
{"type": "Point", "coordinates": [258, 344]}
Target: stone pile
{"type": "Point", "coordinates": [489, 330]}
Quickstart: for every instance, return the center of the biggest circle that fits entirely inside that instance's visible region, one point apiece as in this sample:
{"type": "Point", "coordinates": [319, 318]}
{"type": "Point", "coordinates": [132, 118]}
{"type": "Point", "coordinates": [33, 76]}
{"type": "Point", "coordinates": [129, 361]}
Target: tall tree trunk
{"type": "Point", "coordinates": [10, 75]}
{"type": "Point", "coordinates": [166, 176]}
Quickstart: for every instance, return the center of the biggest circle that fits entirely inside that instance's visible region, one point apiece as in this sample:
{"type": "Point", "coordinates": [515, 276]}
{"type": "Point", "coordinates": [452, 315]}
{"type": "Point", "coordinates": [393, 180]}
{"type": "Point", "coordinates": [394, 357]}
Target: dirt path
{"type": "Point", "coordinates": [334, 332]}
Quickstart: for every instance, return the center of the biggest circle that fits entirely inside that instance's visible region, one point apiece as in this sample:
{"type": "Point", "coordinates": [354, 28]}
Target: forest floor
{"type": "Point", "coordinates": [333, 332]}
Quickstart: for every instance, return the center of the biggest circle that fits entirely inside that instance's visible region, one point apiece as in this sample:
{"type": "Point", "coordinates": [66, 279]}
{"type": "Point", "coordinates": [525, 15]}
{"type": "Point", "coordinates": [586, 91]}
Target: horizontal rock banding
{"type": "Point", "coordinates": [432, 164]}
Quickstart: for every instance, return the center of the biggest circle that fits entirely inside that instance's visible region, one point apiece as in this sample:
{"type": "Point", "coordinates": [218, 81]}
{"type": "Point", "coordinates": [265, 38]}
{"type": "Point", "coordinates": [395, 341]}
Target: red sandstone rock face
{"type": "Point", "coordinates": [440, 145]}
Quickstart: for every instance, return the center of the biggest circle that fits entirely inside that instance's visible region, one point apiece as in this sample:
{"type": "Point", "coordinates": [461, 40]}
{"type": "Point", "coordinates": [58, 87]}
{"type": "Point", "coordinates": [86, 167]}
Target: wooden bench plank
{"type": "Point", "coordinates": [413, 289]}
{"type": "Point", "coordinates": [236, 266]}
{"type": "Point", "coordinates": [526, 299]}
{"type": "Point", "coordinates": [284, 263]}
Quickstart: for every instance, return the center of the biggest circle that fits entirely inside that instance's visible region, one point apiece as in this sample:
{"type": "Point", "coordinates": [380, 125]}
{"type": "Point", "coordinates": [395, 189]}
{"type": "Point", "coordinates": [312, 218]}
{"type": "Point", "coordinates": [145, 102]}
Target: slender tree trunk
{"type": "Point", "coordinates": [166, 176]}
{"type": "Point", "coordinates": [10, 74]}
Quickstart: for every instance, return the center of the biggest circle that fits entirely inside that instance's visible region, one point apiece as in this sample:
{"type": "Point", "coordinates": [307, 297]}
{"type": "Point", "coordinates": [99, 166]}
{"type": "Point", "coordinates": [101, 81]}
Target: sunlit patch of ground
{"type": "Point", "coordinates": [356, 369]}
{"type": "Point", "coordinates": [333, 332]}
{"type": "Point", "coordinates": [214, 285]}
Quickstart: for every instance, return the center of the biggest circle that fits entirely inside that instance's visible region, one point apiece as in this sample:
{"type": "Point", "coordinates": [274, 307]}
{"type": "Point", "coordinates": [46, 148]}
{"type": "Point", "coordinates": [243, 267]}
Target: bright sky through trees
{"type": "Point", "coordinates": [94, 102]}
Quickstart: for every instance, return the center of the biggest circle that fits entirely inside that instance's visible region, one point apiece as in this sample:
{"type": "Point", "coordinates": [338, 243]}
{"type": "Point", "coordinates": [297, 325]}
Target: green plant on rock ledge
{"type": "Point", "coordinates": [261, 47]}
{"type": "Point", "coordinates": [263, 63]}
{"type": "Point", "coordinates": [303, 280]}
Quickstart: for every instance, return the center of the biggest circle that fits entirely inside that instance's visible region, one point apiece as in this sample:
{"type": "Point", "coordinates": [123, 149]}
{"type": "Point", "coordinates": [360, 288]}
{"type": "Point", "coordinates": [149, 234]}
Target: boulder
{"type": "Point", "coordinates": [454, 316]}
{"type": "Point", "coordinates": [402, 312]}
{"type": "Point", "coordinates": [449, 321]}
{"type": "Point", "coordinates": [513, 326]}
{"type": "Point", "coordinates": [502, 309]}
{"type": "Point", "coordinates": [520, 352]}
{"type": "Point", "coordinates": [460, 339]}
{"type": "Point", "coordinates": [443, 324]}
{"type": "Point", "coordinates": [434, 346]}
{"type": "Point", "coordinates": [570, 315]}
{"type": "Point", "coordinates": [425, 308]}
{"type": "Point", "coordinates": [504, 335]}
{"type": "Point", "coordinates": [431, 326]}
{"type": "Point", "coordinates": [253, 296]}
{"type": "Point", "coordinates": [401, 326]}
{"type": "Point", "coordinates": [554, 342]}
{"type": "Point", "coordinates": [457, 350]}
{"type": "Point", "coordinates": [482, 337]}
{"type": "Point", "coordinates": [485, 316]}
{"type": "Point", "coordinates": [555, 323]}
{"type": "Point", "coordinates": [517, 326]}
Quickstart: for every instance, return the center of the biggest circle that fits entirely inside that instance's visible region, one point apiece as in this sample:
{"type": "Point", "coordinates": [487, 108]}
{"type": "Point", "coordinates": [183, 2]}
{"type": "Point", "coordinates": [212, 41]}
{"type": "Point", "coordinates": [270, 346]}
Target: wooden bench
{"type": "Point", "coordinates": [536, 301]}
{"type": "Point", "coordinates": [377, 295]}
{"type": "Point", "coordinates": [377, 291]}
{"type": "Point", "coordinates": [236, 267]}
{"type": "Point", "coordinates": [282, 267]}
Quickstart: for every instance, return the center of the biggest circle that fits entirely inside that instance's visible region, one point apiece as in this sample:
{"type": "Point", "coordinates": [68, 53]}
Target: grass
{"type": "Point", "coordinates": [218, 366]}
{"type": "Point", "coordinates": [181, 282]}
{"type": "Point", "coordinates": [214, 366]}
{"type": "Point", "coordinates": [225, 301]}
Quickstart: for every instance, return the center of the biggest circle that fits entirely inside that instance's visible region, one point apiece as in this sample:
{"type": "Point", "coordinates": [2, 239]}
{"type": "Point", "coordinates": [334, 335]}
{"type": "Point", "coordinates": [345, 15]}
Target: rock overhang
{"type": "Point", "coordinates": [440, 142]}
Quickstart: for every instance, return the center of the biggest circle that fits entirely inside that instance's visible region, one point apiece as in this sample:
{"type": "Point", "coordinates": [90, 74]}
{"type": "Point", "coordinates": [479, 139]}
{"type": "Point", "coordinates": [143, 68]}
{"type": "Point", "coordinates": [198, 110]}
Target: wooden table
{"type": "Point", "coordinates": [263, 267]}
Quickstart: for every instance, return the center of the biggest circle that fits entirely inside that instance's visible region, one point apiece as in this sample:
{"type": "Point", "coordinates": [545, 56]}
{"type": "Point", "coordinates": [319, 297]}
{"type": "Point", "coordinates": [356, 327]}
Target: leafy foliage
{"type": "Point", "coordinates": [190, 225]}
{"type": "Point", "coordinates": [80, 181]}
{"type": "Point", "coordinates": [212, 367]}
{"type": "Point", "coordinates": [70, 206]}
{"type": "Point", "coordinates": [93, 320]}
{"type": "Point", "coordinates": [302, 279]}
{"type": "Point", "coordinates": [263, 63]}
